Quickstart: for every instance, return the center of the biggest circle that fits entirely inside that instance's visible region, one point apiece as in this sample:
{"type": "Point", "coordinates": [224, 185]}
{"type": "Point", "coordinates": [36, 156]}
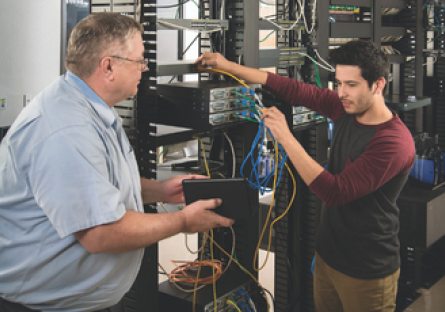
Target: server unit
{"type": "Point", "coordinates": [204, 105]}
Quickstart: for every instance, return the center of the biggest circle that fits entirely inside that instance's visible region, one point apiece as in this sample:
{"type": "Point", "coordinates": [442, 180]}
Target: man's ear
{"type": "Point", "coordinates": [379, 85]}
{"type": "Point", "coordinates": [106, 67]}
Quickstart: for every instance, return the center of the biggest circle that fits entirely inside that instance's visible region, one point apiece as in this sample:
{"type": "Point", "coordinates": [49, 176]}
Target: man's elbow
{"type": "Point", "coordinates": [92, 249]}
{"type": "Point", "coordinates": [90, 241]}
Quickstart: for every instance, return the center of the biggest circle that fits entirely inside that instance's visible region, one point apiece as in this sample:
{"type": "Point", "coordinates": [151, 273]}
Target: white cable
{"type": "Point", "coordinates": [252, 305]}
{"type": "Point", "coordinates": [320, 65]}
{"type": "Point", "coordinates": [207, 236]}
{"type": "Point", "coordinates": [323, 60]}
{"type": "Point", "coordinates": [165, 208]}
{"type": "Point", "coordinates": [186, 28]}
{"type": "Point", "coordinates": [233, 154]}
{"type": "Point", "coordinates": [268, 3]}
{"type": "Point", "coordinates": [297, 17]}
{"type": "Point", "coordinates": [304, 17]}
{"type": "Point", "coordinates": [233, 250]}
{"type": "Point", "coordinates": [277, 25]}
{"type": "Point", "coordinates": [301, 5]}
{"type": "Point", "coordinates": [434, 59]}
{"type": "Point", "coordinates": [222, 9]}
{"type": "Point", "coordinates": [187, 245]}
{"type": "Point", "coordinates": [167, 6]}
{"type": "Point", "coordinates": [259, 101]}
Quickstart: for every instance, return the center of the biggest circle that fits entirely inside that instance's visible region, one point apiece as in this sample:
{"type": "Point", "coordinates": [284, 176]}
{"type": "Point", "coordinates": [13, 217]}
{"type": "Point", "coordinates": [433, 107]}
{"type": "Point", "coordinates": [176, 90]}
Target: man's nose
{"type": "Point", "coordinates": [341, 91]}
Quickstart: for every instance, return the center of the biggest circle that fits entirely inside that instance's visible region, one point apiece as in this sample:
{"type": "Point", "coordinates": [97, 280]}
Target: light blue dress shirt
{"type": "Point", "coordinates": [65, 165]}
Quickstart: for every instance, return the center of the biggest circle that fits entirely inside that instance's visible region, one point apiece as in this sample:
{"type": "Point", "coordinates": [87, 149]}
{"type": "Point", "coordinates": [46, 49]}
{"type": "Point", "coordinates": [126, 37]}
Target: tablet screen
{"type": "Point", "coordinates": [235, 194]}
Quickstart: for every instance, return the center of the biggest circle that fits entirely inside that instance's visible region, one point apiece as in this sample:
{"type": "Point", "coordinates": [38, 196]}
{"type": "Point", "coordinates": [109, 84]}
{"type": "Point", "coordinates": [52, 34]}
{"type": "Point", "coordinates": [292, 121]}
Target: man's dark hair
{"type": "Point", "coordinates": [364, 54]}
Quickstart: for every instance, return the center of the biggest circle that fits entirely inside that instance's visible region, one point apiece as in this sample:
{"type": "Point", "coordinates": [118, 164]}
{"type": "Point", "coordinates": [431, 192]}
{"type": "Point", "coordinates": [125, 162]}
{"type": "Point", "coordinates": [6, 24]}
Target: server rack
{"type": "Point", "coordinates": [438, 91]}
{"type": "Point", "coordinates": [241, 136]}
{"type": "Point", "coordinates": [295, 234]}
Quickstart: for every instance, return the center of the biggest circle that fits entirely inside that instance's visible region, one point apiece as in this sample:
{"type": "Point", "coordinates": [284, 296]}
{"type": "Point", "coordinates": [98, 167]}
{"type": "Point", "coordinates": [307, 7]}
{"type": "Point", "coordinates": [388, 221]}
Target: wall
{"type": "Point", "coordinates": [30, 32]}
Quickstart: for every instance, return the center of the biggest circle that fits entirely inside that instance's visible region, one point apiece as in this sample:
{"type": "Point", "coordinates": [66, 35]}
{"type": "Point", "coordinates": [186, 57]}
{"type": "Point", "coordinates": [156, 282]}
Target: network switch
{"type": "Point", "coordinates": [302, 118]}
{"type": "Point", "coordinates": [206, 90]}
{"type": "Point", "coordinates": [205, 104]}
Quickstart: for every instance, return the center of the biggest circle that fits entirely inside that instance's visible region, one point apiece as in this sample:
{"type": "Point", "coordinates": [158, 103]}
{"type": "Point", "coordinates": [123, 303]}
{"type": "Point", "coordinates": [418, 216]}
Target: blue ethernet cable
{"type": "Point", "coordinates": [243, 305]}
{"type": "Point", "coordinates": [312, 266]}
{"type": "Point", "coordinates": [254, 180]}
{"type": "Point", "coordinates": [240, 292]}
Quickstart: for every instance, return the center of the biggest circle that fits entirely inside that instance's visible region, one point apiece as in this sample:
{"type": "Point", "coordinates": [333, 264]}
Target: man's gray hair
{"type": "Point", "coordinates": [96, 36]}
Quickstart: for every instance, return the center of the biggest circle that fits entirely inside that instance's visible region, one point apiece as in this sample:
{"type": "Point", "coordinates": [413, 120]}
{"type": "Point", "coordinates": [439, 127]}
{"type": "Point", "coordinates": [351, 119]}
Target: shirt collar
{"type": "Point", "coordinates": [107, 114]}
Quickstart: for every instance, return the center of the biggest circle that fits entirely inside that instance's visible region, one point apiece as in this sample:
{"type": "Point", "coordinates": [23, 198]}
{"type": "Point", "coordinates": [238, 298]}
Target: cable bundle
{"type": "Point", "coordinates": [254, 114]}
{"type": "Point", "coordinates": [180, 275]}
{"type": "Point", "coordinates": [254, 180]}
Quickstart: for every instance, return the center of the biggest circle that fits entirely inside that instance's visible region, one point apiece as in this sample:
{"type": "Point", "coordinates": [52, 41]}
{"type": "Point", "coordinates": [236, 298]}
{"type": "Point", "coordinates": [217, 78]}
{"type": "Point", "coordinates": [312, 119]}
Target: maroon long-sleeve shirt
{"type": "Point", "coordinates": [367, 169]}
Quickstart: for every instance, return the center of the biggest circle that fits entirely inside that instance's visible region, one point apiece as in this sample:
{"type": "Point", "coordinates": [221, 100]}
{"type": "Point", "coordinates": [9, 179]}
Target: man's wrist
{"type": "Point", "coordinates": [288, 141]}
{"type": "Point", "coordinates": [182, 215]}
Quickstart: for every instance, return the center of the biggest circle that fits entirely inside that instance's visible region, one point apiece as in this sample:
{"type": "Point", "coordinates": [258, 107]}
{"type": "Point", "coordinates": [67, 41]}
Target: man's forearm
{"type": "Point", "coordinates": [151, 191]}
{"type": "Point", "coordinates": [133, 231]}
{"type": "Point", "coordinates": [251, 75]}
{"type": "Point", "coordinates": [217, 61]}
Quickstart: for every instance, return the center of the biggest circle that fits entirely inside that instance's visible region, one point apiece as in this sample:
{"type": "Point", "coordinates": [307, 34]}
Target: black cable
{"type": "Point", "coordinates": [271, 296]}
{"type": "Point", "coordinates": [184, 52]}
{"type": "Point", "coordinates": [188, 47]}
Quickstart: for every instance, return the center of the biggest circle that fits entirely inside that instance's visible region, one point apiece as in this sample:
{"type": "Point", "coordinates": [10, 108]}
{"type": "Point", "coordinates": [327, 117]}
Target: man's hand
{"type": "Point", "coordinates": [276, 122]}
{"type": "Point", "coordinates": [172, 188]}
{"type": "Point", "coordinates": [215, 60]}
{"type": "Point", "coordinates": [199, 216]}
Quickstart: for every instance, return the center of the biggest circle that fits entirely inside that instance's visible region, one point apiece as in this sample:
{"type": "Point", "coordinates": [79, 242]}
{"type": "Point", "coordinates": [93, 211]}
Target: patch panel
{"type": "Point", "coordinates": [173, 114]}
{"type": "Point", "coordinates": [227, 117]}
{"type": "Point", "coordinates": [205, 107]}
{"type": "Point", "coordinates": [206, 90]}
{"type": "Point", "coordinates": [299, 109]}
{"type": "Point", "coordinates": [302, 118]}
{"type": "Point", "coordinates": [204, 104]}
{"type": "Point", "coordinates": [196, 24]}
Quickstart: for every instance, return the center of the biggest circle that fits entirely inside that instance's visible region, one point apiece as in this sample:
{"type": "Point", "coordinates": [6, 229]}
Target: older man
{"type": "Point", "coordinates": [72, 227]}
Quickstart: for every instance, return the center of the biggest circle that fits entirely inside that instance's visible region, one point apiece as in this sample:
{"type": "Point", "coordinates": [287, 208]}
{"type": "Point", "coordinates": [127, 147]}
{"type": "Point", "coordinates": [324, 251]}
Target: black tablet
{"type": "Point", "coordinates": [235, 194]}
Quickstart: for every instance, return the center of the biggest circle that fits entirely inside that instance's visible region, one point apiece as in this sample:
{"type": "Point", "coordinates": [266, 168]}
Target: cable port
{"type": "Point", "coordinates": [218, 94]}
{"type": "Point", "coordinates": [245, 90]}
{"type": "Point", "coordinates": [217, 118]}
{"type": "Point", "coordinates": [216, 106]}
{"type": "Point", "coordinates": [248, 114]}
